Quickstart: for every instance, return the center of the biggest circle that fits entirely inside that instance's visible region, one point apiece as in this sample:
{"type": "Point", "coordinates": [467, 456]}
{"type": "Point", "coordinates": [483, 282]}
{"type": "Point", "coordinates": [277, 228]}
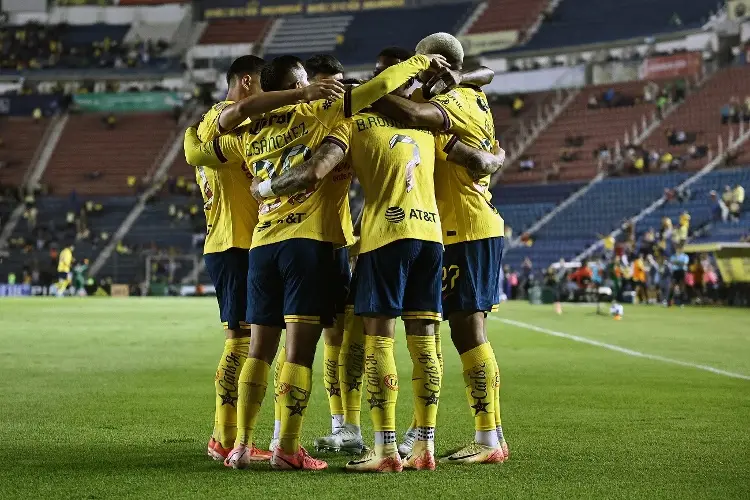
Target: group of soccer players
{"type": "Point", "coordinates": [274, 162]}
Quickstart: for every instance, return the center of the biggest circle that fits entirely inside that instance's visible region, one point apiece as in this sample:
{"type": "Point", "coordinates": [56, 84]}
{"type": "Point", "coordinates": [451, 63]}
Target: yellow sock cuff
{"type": "Point", "coordinates": [375, 342]}
{"type": "Point", "coordinates": [477, 355]}
{"type": "Point", "coordinates": [293, 373]}
{"type": "Point", "coordinates": [256, 372]}
{"type": "Point", "coordinates": [237, 342]}
{"type": "Point", "coordinates": [416, 343]}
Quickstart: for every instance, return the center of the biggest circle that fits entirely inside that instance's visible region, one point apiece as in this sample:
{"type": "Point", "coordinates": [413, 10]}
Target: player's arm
{"type": "Point", "coordinates": [386, 82]}
{"type": "Point", "coordinates": [301, 178]}
{"type": "Point", "coordinates": [224, 148]}
{"type": "Point", "coordinates": [480, 163]}
{"type": "Point", "coordinates": [413, 114]}
{"type": "Point", "coordinates": [450, 78]}
{"type": "Point", "coordinates": [234, 114]}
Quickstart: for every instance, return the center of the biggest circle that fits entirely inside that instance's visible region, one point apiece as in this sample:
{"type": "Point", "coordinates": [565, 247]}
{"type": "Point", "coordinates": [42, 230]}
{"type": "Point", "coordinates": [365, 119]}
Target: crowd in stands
{"type": "Point", "coordinates": [41, 46]}
{"type": "Point", "coordinates": [735, 111]}
{"type": "Point", "coordinates": [728, 206]}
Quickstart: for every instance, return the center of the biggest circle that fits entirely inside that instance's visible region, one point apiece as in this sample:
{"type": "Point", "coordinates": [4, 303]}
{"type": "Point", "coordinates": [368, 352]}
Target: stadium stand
{"type": "Point", "coordinates": [581, 22]}
{"type": "Point", "coordinates": [307, 35]}
{"type": "Point", "coordinates": [502, 15]}
{"type": "Point", "coordinates": [20, 138]}
{"type": "Point", "coordinates": [603, 125]}
{"type": "Point", "coordinates": [129, 149]}
{"type": "Point", "coordinates": [700, 116]}
{"type": "Point", "coordinates": [601, 210]}
{"type": "Point", "coordinates": [230, 31]}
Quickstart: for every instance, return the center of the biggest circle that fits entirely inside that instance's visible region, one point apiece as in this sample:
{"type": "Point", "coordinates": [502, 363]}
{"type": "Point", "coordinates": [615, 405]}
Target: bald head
{"type": "Point", "coordinates": [444, 44]}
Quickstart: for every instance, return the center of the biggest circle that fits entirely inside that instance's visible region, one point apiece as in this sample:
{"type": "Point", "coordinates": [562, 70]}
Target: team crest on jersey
{"type": "Point", "coordinates": [395, 214]}
{"type": "Point", "coordinates": [391, 381]}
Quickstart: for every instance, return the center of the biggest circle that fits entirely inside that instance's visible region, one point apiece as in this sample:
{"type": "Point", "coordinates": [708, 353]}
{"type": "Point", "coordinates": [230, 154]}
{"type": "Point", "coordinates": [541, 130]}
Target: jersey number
{"type": "Point", "coordinates": [413, 162]}
{"type": "Point", "coordinates": [450, 275]}
{"type": "Point", "coordinates": [260, 166]}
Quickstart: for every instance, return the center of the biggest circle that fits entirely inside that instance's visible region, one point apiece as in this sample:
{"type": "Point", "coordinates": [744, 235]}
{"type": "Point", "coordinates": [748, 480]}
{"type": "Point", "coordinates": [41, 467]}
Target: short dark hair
{"type": "Point", "coordinates": [276, 72]}
{"type": "Point", "coordinates": [396, 53]}
{"type": "Point", "coordinates": [323, 64]}
{"type": "Point", "coordinates": [245, 65]}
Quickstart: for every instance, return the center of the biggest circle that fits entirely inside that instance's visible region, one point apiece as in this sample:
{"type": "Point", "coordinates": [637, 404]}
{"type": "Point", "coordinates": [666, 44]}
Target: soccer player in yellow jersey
{"type": "Point", "coordinates": [64, 262]}
{"type": "Point", "coordinates": [399, 269]}
{"type": "Point", "coordinates": [325, 66]}
{"type": "Point", "coordinates": [291, 255]}
{"type": "Point", "coordinates": [473, 237]}
{"type": "Point", "coordinates": [231, 215]}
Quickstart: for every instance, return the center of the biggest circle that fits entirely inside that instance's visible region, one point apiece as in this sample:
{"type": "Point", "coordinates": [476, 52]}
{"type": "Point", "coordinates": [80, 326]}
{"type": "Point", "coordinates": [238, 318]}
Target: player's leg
{"type": "Point", "coordinates": [63, 281]}
{"type": "Point", "coordinates": [280, 359]}
{"type": "Point", "coordinates": [471, 271]}
{"type": "Point", "coordinates": [264, 314]}
{"type": "Point", "coordinates": [305, 265]}
{"type": "Point", "coordinates": [422, 311]}
{"type": "Point", "coordinates": [379, 286]}
{"type": "Point", "coordinates": [228, 272]}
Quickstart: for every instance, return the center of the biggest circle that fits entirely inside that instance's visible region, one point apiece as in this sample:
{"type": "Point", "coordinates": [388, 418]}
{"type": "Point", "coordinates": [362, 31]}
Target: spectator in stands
{"type": "Point", "coordinates": [574, 141]}
{"type": "Point", "coordinates": [680, 86]}
{"type": "Point", "coordinates": [648, 240]}
{"type": "Point", "coordinates": [661, 104]}
{"type": "Point", "coordinates": [517, 106]}
{"type": "Point", "coordinates": [719, 209]}
{"type": "Point", "coordinates": [650, 91]}
{"type": "Point", "coordinates": [568, 155]}
{"type": "Point", "coordinates": [746, 109]}
{"type": "Point", "coordinates": [593, 102]}
{"type": "Point", "coordinates": [738, 199]}
{"type": "Point", "coordinates": [676, 137]}
{"type": "Point", "coordinates": [608, 97]}
{"type": "Point", "coordinates": [110, 121]}
{"type": "Point", "coordinates": [666, 160]}
{"type": "Point", "coordinates": [37, 115]}
{"type": "Point", "coordinates": [526, 164]}
{"type": "Point", "coordinates": [553, 174]}
{"type": "Point", "coordinates": [698, 152]}
{"type": "Point", "coordinates": [680, 236]}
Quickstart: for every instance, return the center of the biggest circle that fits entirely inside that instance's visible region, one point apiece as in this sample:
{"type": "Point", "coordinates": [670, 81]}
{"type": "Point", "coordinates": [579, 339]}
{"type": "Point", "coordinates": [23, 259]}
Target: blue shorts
{"type": "Point", "coordinates": [228, 272]}
{"type": "Point", "coordinates": [471, 276]}
{"type": "Point", "coordinates": [290, 282]}
{"type": "Point", "coordinates": [402, 278]}
{"type": "Point", "coordinates": [343, 278]}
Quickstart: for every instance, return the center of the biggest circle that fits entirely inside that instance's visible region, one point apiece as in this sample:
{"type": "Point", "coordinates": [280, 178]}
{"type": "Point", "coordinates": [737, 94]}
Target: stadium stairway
{"type": "Point", "coordinates": [307, 35]}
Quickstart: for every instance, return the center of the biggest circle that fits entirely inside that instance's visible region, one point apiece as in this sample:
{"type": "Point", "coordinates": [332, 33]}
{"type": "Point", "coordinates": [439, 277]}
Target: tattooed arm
{"type": "Point", "coordinates": [294, 180]}
{"type": "Point", "coordinates": [479, 163]}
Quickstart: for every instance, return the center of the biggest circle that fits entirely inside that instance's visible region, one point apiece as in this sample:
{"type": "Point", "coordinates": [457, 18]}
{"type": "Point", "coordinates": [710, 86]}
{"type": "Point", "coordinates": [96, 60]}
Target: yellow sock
{"type": "Point", "coordinates": [227, 388]}
{"type": "Point", "coordinates": [280, 359]}
{"type": "Point", "coordinates": [253, 384]}
{"type": "Point", "coordinates": [496, 391]}
{"type": "Point", "coordinates": [425, 379]}
{"type": "Point", "coordinates": [331, 379]}
{"type": "Point", "coordinates": [296, 381]}
{"type": "Point", "coordinates": [351, 367]}
{"type": "Point", "coordinates": [479, 375]}
{"type": "Point", "coordinates": [439, 354]}
{"type": "Point", "coordinates": [382, 391]}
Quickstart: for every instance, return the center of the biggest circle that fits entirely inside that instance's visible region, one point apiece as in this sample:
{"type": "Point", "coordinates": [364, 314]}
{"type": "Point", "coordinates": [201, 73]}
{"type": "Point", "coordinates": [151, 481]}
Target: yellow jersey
{"type": "Point", "coordinates": [463, 202]}
{"type": "Point", "coordinates": [284, 139]}
{"type": "Point", "coordinates": [342, 174]}
{"type": "Point", "coordinates": [65, 260]}
{"type": "Point", "coordinates": [395, 166]}
{"type": "Point", "coordinates": [231, 211]}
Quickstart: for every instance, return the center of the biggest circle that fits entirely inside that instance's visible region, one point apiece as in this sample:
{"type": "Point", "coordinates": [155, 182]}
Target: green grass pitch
{"type": "Point", "coordinates": [113, 398]}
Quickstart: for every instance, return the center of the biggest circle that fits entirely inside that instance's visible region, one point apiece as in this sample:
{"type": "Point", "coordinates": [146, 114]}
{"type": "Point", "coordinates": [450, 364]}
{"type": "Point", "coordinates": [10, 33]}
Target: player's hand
{"type": "Point", "coordinates": [438, 62]}
{"type": "Point", "coordinates": [254, 189]}
{"type": "Point", "coordinates": [442, 81]}
{"type": "Point", "coordinates": [498, 152]}
{"type": "Point", "coordinates": [324, 89]}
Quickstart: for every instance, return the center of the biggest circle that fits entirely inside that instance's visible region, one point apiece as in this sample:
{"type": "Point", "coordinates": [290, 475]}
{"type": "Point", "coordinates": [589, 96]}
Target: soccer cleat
{"type": "Point", "coordinates": [420, 461]}
{"type": "Point", "coordinates": [407, 444]}
{"type": "Point", "coordinates": [242, 456]}
{"type": "Point", "coordinates": [216, 451]}
{"type": "Point", "coordinates": [476, 453]}
{"type": "Point", "coordinates": [372, 462]}
{"type": "Point", "coordinates": [346, 439]}
{"type": "Point", "coordinates": [298, 461]}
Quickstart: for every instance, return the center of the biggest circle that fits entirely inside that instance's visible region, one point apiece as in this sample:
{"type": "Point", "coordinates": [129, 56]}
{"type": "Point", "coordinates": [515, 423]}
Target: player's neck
{"type": "Point", "coordinates": [236, 95]}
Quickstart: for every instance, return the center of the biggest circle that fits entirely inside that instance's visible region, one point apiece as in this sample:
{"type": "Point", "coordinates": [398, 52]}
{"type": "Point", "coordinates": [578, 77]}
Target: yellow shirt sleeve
{"type": "Point", "coordinates": [341, 135]}
{"type": "Point", "coordinates": [329, 113]}
{"type": "Point", "coordinates": [224, 148]}
{"type": "Point", "coordinates": [444, 144]}
{"type": "Point", "coordinates": [209, 126]}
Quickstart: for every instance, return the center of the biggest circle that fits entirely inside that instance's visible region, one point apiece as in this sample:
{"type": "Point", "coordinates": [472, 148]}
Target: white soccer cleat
{"type": "Point", "coordinates": [404, 449]}
{"type": "Point", "coordinates": [347, 439]}
{"type": "Point", "coordinates": [372, 462]}
{"type": "Point", "coordinates": [476, 453]}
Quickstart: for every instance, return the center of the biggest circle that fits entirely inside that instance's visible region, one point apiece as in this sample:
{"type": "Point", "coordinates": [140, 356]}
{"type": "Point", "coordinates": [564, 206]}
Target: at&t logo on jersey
{"type": "Point", "coordinates": [395, 214]}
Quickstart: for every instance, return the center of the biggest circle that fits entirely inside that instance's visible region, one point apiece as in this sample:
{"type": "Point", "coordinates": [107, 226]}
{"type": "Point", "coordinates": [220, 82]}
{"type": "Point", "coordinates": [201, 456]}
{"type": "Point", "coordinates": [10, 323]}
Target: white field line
{"type": "Point", "coordinates": [621, 350]}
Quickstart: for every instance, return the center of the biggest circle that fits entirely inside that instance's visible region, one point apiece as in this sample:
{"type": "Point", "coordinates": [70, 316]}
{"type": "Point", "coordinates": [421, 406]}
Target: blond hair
{"type": "Point", "coordinates": [444, 44]}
